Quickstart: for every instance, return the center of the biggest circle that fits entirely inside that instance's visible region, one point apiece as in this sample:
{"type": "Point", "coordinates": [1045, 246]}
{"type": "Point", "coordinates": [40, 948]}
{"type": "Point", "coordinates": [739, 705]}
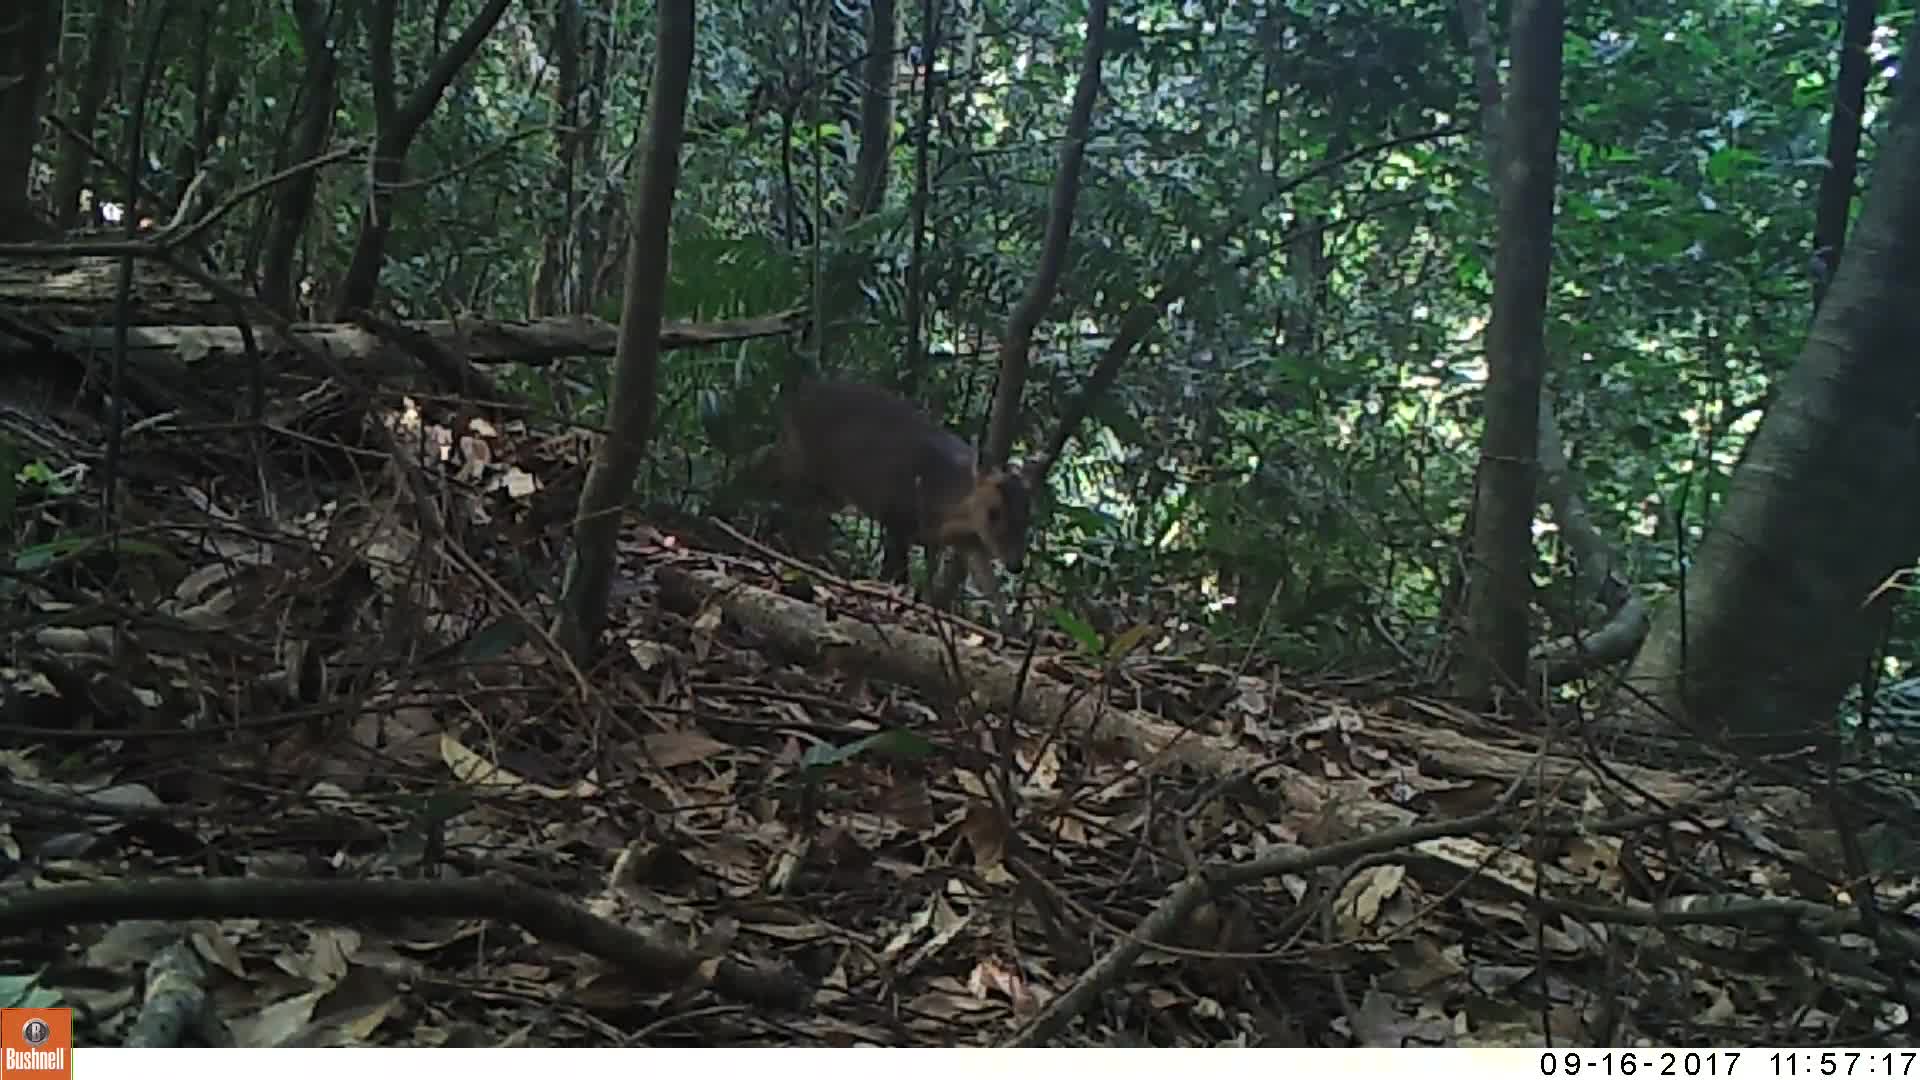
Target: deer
{"type": "Point", "coordinates": [847, 444]}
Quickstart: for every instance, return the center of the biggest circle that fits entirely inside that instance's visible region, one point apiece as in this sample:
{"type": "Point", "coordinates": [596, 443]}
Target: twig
{"type": "Point", "coordinates": [537, 912]}
{"type": "Point", "coordinates": [855, 587]}
{"type": "Point", "coordinates": [1200, 886]}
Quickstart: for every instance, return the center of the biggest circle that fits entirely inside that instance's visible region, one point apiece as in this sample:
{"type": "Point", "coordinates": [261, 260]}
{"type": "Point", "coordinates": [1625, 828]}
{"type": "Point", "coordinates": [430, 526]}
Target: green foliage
{"type": "Point", "coordinates": [39, 556]}
{"type": "Point", "coordinates": [1291, 451]}
{"type": "Point", "coordinates": [892, 743]}
{"type": "Point", "coordinates": [1092, 643]}
{"type": "Point", "coordinates": [25, 992]}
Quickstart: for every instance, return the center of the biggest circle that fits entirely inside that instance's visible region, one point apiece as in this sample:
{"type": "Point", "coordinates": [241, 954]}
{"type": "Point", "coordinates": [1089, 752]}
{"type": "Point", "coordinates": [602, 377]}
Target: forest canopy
{"type": "Point", "coordinates": [1550, 359]}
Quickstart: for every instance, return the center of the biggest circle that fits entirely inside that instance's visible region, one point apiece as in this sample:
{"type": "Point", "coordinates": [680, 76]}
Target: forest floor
{"type": "Point", "coordinates": [312, 748]}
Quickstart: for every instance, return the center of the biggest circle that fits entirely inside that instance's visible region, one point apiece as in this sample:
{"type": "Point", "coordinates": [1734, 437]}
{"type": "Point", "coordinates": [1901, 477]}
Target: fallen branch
{"type": "Point", "coordinates": [921, 661]}
{"type": "Point", "coordinates": [1573, 656]}
{"type": "Point", "coordinates": [478, 341]}
{"type": "Point", "coordinates": [175, 1002]}
{"type": "Point", "coordinates": [1201, 885]}
{"type": "Point", "coordinates": [542, 914]}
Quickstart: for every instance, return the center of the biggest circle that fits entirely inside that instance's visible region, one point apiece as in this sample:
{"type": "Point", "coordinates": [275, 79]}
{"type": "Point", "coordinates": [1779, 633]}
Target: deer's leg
{"type": "Point", "coordinates": [807, 525]}
{"type": "Point", "coordinates": [899, 542]}
{"type": "Point", "coordinates": [980, 568]}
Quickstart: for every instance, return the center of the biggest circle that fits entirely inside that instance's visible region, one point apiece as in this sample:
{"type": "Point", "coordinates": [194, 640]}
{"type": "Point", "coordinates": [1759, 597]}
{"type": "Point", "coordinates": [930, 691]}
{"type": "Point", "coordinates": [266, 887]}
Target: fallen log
{"type": "Point", "coordinates": [1338, 807]}
{"type": "Point", "coordinates": [1319, 808]}
{"type": "Point", "coordinates": [904, 656]}
{"type": "Point", "coordinates": [479, 341]}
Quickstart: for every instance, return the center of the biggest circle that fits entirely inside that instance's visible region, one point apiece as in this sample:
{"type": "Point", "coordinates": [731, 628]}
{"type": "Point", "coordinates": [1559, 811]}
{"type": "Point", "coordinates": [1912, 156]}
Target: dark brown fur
{"type": "Point", "coordinates": [849, 444]}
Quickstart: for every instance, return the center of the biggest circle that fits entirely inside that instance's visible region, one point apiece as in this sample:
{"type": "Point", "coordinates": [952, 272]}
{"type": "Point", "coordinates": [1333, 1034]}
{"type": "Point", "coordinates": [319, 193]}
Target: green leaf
{"type": "Point", "coordinates": [495, 639]}
{"type": "Point", "coordinates": [1087, 636]}
{"type": "Point", "coordinates": [894, 742]}
{"type": "Point", "coordinates": [39, 555]}
{"type": "Point", "coordinates": [25, 992]}
{"type": "Point", "coordinates": [1128, 640]}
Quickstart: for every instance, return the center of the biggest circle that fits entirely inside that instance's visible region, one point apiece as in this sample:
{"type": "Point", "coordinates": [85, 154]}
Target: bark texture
{"type": "Point", "coordinates": [399, 124]}
{"type": "Point", "coordinates": [1500, 588]}
{"type": "Point", "coordinates": [630, 411]}
{"type": "Point", "coordinates": [321, 27]}
{"type": "Point", "coordinates": [1004, 422]}
{"type": "Point", "coordinates": [1776, 617]}
{"type": "Point", "coordinates": [27, 37]}
{"type": "Point", "coordinates": [1843, 143]}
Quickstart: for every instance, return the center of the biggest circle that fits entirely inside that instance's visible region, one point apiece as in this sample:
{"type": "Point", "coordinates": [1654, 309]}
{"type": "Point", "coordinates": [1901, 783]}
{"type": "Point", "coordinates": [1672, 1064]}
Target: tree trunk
{"type": "Point", "coordinates": [1141, 316]}
{"type": "Point", "coordinates": [28, 34]}
{"type": "Point", "coordinates": [551, 271]}
{"type": "Point", "coordinates": [321, 31]}
{"type": "Point", "coordinates": [914, 370]}
{"type": "Point", "coordinates": [1843, 144]}
{"type": "Point", "coordinates": [1596, 576]}
{"type": "Point", "coordinates": [630, 411]}
{"type": "Point", "coordinates": [1298, 324]}
{"type": "Point", "coordinates": [838, 273]}
{"type": "Point", "coordinates": [70, 175]}
{"type": "Point", "coordinates": [398, 125]}
{"type": "Point", "coordinates": [1003, 423]}
{"type": "Point", "coordinates": [876, 110]}
{"type": "Point", "coordinates": [1134, 326]}
{"type": "Point", "coordinates": [579, 295]}
{"type": "Point", "coordinates": [216, 79]}
{"type": "Point", "coordinates": [1776, 618]}
{"type": "Point", "coordinates": [1500, 581]}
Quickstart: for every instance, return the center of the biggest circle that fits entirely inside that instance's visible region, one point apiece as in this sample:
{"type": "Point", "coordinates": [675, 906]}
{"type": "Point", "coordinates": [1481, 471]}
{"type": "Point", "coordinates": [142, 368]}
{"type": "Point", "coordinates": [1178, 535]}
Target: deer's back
{"type": "Point", "coordinates": [874, 449]}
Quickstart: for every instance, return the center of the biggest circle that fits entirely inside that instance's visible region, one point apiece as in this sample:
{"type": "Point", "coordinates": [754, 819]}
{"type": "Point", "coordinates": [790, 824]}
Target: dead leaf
{"type": "Point", "coordinates": [1420, 962]}
{"type": "Point", "coordinates": [985, 830]}
{"type": "Point", "coordinates": [669, 749]}
{"type": "Point", "coordinates": [647, 654]}
{"type": "Point", "coordinates": [990, 975]}
{"type": "Point", "coordinates": [907, 931]}
{"type": "Point", "coordinates": [330, 953]}
{"type": "Point", "coordinates": [1491, 867]}
{"type": "Point", "coordinates": [277, 1023]}
{"type": "Point", "coordinates": [1360, 900]}
{"type": "Point", "coordinates": [214, 947]}
{"type": "Point", "coordinates": [520, 483]}
{"type": "Point", "coordinates": [470, 768]}
{"type": "Point", "coordinates": [130, 943]}
{"type": "Point", "coordinates": [1381, 1024]}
